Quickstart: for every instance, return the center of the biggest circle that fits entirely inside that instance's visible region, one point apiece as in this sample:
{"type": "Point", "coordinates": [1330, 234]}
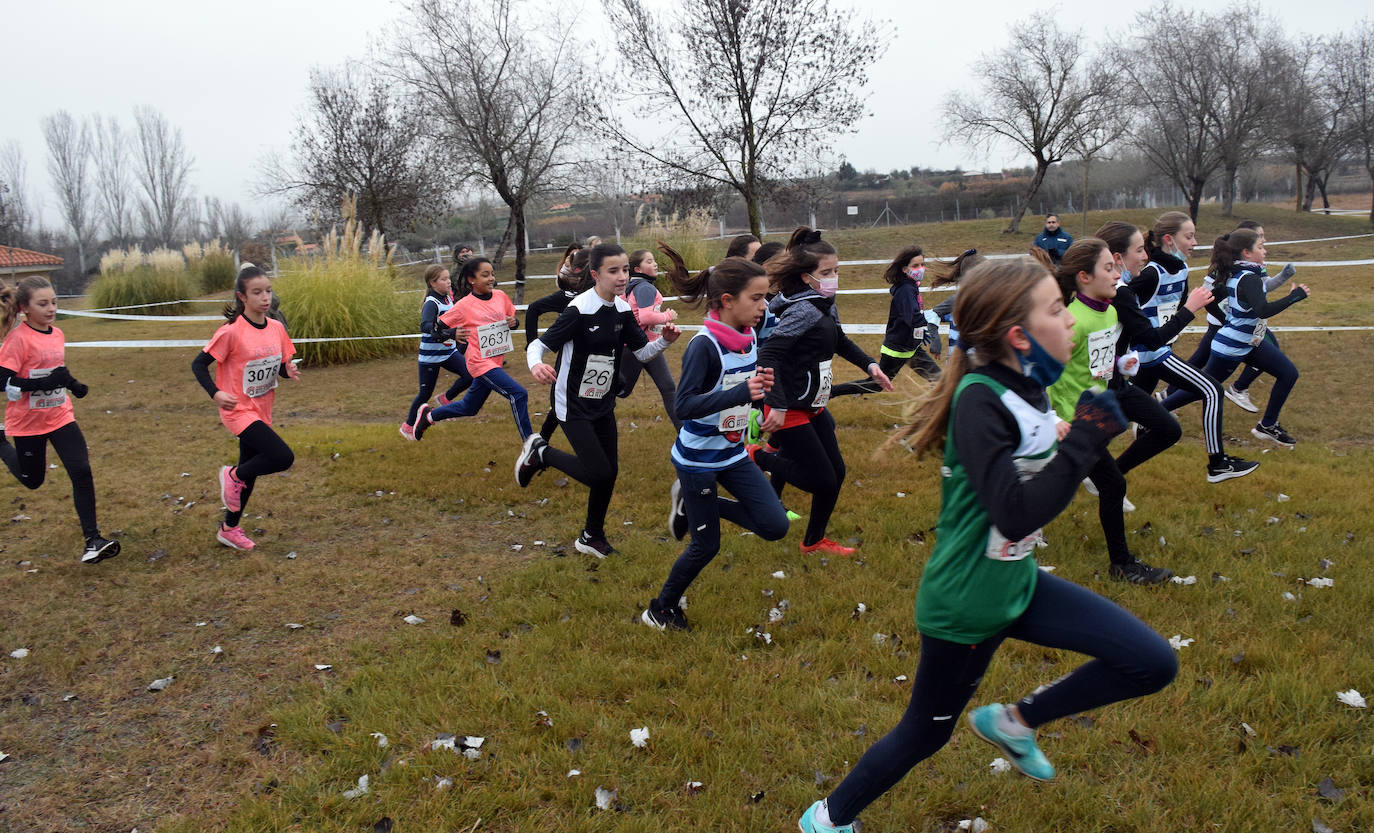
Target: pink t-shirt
{"type": "Point", "coordinates": [488, 330]}
{"type": "Point", "coordinates": [32, 354]}
{"type": "Point", "coordinates": [247, 360]}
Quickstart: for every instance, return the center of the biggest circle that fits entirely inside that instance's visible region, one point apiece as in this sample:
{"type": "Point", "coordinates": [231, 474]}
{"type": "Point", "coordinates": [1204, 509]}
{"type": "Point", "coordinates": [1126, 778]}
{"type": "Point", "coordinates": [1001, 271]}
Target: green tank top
{"type": "Point", "coordinates": [1094, 356]}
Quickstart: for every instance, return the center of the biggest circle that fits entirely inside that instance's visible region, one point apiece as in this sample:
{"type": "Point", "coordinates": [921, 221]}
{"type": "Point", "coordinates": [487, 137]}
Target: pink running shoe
{"type": "Point", "coordinates": [442, 399]}
{"type": "Point", "coordinates": [234, 537]}
{"type": "Point", "coordinates": [230, 489]}
{"type": "Point", "coordinates": [407, 432]}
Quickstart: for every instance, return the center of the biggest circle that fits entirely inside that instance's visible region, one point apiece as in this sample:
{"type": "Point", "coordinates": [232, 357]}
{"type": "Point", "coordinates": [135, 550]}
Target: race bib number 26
{"type": "Point", "coordinates": [596, 377]}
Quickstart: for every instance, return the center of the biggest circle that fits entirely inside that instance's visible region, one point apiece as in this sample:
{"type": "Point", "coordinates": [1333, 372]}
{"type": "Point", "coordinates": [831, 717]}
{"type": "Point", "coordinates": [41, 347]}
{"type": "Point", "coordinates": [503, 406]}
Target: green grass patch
{"type": "Point", "coordinates": [154, 291]}
{"type": "Point", "coordinates": [346, 299]}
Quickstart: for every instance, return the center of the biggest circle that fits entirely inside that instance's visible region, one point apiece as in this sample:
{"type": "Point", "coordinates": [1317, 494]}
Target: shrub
{"type": "Point", "coordinates": [214, 263]}
{"type": "Point", "coordinates": [145, 284]}
{"type": "Point", "coordinates": [686, 233]}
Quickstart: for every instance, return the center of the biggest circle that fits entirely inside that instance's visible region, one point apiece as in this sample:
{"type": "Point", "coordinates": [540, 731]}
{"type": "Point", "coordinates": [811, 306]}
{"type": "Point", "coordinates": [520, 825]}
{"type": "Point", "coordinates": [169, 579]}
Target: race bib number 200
{"type": "Point", "coordinates": [45, 398]}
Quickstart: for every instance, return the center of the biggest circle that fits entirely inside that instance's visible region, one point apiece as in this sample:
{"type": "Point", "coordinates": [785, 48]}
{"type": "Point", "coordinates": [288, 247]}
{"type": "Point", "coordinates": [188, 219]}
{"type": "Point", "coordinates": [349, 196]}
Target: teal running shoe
{"type": "Point", "coordinates": [808, 823]}
{"type": "Point", "coordinates": [1019, 749]}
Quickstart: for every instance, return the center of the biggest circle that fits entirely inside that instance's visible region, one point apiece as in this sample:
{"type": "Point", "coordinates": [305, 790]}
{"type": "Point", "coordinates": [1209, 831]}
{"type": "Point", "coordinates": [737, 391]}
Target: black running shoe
{"type": "Point", "coordinates": [531, 460]}
{"type": "Point", "coordinates": [598, 547]}
{"type": "Point", "coordinates": [1229, 467]}
{"type": "Point", "coordinates": [664, 618]}
{"type": "Point", "coordinates": [422, 422]}
{"type": "Point", "coordinates": [98, 549]}
{"type": "Point", "coordinates": [677, 511]}
{"type": "Point", "coordinates": [1138, 572]}
{"type": "Point", "coordinates": [1274, 433]}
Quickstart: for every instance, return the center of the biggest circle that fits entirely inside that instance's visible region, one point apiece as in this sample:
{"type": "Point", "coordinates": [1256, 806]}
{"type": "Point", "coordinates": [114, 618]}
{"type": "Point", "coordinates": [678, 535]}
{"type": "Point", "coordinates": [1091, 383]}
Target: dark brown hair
{"type": "Point", "coordinates": [247, 272]}
{"type": "Point", "coordinates": [1117, 235]}
{"type": "Point", "coordinates": [1081, 257]}
{"type": "Point", "coordinates": [1226, 251]}
{"type": "Point", "coordinates": [803, 254]}
{"type": "Point", "coordinates": [1168, 223]}
{"type": "Point", "coordinates": [739, 247]}
{"type": "Point", "coordinates": [729, 277]}
{"type": "Point", "coordinates": [896, 270]}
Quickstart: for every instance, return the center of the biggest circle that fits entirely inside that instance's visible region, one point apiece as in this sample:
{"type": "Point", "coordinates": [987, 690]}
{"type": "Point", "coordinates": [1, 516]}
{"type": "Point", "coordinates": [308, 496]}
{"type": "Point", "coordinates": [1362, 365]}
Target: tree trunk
{"type": "Point", "coordinates": [518, 217]}
{"type": "Point", "coordinates": [751, 204]}
{"type": "Point", "coordinates": [1195, 199]}
{"type": "Point", "coordinates": [1309, 194]}
{"type": "Point", "coordinates": [1040, 169]}
{"type": "Point", "coordinates": [1297, 201]}
{"type": "Point", "coordinates": [1086, 163]}
{"type": "Point", "coordinates": [1228, 190]}
{"type": "Point", "coordinates": [505, 240]}
{"type": "Point", "coordinates": [1321, 186]}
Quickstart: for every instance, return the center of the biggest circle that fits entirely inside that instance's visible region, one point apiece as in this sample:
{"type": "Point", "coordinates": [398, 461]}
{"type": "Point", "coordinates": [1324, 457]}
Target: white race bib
{"type": "Point", "coordinates": [596, 377]}
{"type": "Point", "coordinates": [45, 398]}
{"type": "Point", "coordinates": [260, 376]}
{"type": "Point", "coordinates": [823, 388]}
{"type": "Point", "coordinates": [734, 420]}
{"type": "Point", "coordinates": [1261, 327]}
{"type": "Point", "coordinates": [919, 334]}
{"type": "Point", "coordinates": [1102, 352]}
{"type": "Point", "coordinates": [1167, 310]}
{"type": "Point", "coordinates": [1000, 548]}
{"type": "Point", "coordinates": [494, 339]}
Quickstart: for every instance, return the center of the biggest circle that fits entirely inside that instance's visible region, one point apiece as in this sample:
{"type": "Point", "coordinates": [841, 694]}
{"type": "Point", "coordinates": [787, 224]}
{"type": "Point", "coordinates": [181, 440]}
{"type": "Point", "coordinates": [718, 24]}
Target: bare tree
{"type": "Point", "coordinates": [1171, 84]}
{"type": "Point", "coordinates": [1244, 51]}
{"type": "Point", "coordinates": [69, 156]}
{"type": "Point", "coordinates": [506, 98]}
{"type": "Point", "coordinates": [615, 182]}
{"type": "Point", "coordinates": [1039, 93]}
{"type": "Point", "coordinates": [162, 166]}
{"type": "Point", "coordinates": [1312, 134]}
{"type": "Point", "coordinates": [359, 137]}
{"type": "Point", "coordinates": [16, 212]}
{"type": "Point", "coordinates": [1353, 70]}
{"type": "Point", "coordinates": [114, 179]}
{"type": "Point", "coordinates": [746, 93]}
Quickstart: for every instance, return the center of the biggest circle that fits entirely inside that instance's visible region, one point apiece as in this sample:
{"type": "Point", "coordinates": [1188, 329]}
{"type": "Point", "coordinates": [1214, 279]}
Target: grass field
{"type": "Point", "coordinates": [537, 649]}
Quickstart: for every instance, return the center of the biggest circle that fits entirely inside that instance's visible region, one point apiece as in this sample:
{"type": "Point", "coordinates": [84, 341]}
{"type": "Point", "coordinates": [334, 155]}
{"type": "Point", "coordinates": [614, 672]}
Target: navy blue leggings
{"type": "Point", "coordinates": [755, 508]}
{"type": "Point", "coordinates": [496, 380]}
{"type": "Point", "coordinates": [1129, 660]}
{"type": "Point", "coordinates": [429, 377]}
{"type": "Point", "coordinates": [1267, 358]}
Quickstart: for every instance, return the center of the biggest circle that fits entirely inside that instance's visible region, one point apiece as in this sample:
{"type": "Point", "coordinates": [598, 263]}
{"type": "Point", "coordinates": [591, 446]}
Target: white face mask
{"type": "Point", "coordinates": [827, 287]}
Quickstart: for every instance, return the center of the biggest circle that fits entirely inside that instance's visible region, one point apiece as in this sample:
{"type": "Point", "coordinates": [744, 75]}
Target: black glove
{"type": "Point", "coordinates": [60, 377]}
{"type": "Point", "coordinates": [78, 389]}
{"type": "Point", "coordinates": [446, 334]}
{"type": "Point", "coordinates": [1100, 411]}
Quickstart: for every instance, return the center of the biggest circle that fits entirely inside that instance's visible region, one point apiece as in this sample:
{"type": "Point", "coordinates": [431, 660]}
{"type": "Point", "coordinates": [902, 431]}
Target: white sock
{"type": "Point", "coordinates": [1011, 726]}
{"type": "Point", "coordinates": [823, 814]}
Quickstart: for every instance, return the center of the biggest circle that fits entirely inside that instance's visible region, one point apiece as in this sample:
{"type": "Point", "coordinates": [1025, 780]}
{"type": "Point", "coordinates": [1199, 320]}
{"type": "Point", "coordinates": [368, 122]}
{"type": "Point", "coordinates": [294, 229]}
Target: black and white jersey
{"type": "Point", "coordinates": [588, 337]}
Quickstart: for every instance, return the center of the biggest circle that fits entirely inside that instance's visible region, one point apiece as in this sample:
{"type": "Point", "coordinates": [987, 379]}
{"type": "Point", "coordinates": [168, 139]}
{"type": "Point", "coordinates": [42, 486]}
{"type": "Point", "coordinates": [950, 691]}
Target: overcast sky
{"type": "Point", "coordinates": [233, 75]}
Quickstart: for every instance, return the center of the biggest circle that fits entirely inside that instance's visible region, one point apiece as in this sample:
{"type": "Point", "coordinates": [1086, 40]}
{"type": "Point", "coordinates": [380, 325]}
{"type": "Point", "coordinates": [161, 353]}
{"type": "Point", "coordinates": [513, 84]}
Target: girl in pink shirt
{"type": "Point", "coordinates": [486, 315]}
{"type": "Point", "coordinates": [33, 371]}
{"type": "Point", "coordinates": [249, 352]}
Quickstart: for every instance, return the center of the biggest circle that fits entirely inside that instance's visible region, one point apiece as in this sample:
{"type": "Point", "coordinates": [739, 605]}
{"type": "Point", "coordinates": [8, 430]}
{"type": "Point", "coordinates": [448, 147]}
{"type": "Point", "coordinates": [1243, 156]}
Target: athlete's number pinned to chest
{"type": "Point", "coordinates": [596, 377]}
{"type": "Point", "coordinates": [52, 398]}
{"type": "Point", "coordinates": [260, 376]}
{"type": "Point", "coordinates": [494, 339]}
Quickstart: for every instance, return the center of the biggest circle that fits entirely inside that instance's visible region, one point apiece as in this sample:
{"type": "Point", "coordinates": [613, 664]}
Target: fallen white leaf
{"type": "Point", "coordinates": [295, 626]}
{"type": "Point", "coordinates": [201, 624]}
{"type": "Point", "coordinates": [999, 766]}
{"type": "Point", "coordinates": [573, 773]}
{"type": "Point", "coordinates": [1271, 520]}
{"type": "Point", "coordinates": [473, 742]}
{"type": "Point", "coordinates": [217, 650]}
{"type": "Point", "coordinates": [19, 653]}
{"type": "Point", "coordinates": [1049, 568]}
{"type": "Point", "coordinates": [694, 787]}
{"type": "Point", "coordinates": [605, 798]}
{"type": "Point", "coordinates": [774, 615]}
{"type": "Point", "coordinates": [324, 668]}
{"type": "Point", "coordinates": [765, 636]}
{"type": "Point", "coordinates": [900, 678]}
{"type": "Point", "coordinates": [361, 790]}
{"type": "Point", "coordinates": [1351, 698]}
{"type": "Point", "coordinates": [1184, 579]}
{"type": "Point", "coordinates": [1283, 498]}
{"type": "Point", "coordinates": [879, 638]}
{"type": "Point", "coordinates": [382, 742]}
{"type": "Point", "coordinates": [1162, 543]}
{"type": "Point", "coordinates": [1288, 597]}
{"type": "Point", "coordinates": [4, 756]}
{"type": "Point", "coordinates": [780, 574]}
{"type": "Point", "coordinates": [158, 685]}
{"type": "Point", "coordinates": [901, 494]}
{"type": "Point", "coordinates": [861, 609]}
{"type": "Point", "coordinates": [1321, 582]}
{"type": "Point", "coordinates": [640, 737]}
{"type": "Point", "coordinates": [448, 742]}
{"type": "Point", "coordinates": [472, 754]}
{"type": "Point", "coordinates": [1249, 731]}
{"type": "Point", "coordinates": [67, 698]}
{"type": "Point", "coordinates": [517, 547]}
{"type": "Point", "coordinates": [1177, 641]}
{"type": "Point", "coordinates": [539, 543]}
{"type": "Point", "coordinates": [442, 783]}
{"type": "Point", "coordinates": [412, 619]}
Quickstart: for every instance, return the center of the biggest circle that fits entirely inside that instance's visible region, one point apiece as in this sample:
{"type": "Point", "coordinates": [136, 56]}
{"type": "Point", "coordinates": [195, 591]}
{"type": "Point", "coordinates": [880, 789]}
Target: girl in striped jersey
{"type": "Point", "coordinates": [720, 377]}
{"type": "Point", "coordinates": [438, 348]}
{"type": "Point", "coordinates": [1149, 305]}
{"type": "Point", "coordinates": [1006, 473]}
{"type": "Point", "coordinates": [588, 337]}
{"type": "Point", "coordinates": [1238, 264]}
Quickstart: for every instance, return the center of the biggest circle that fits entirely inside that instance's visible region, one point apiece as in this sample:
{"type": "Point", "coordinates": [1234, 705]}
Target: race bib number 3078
{"type": "Point", "coordinates": [260, 376]}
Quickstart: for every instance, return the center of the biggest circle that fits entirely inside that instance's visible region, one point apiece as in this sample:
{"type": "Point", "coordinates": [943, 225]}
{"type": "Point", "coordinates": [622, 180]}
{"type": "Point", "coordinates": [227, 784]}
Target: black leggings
{"type": "Point", "coordinates": [27, 459]}
{"type": "Point", "coordinates": [594, 462]}
{"type": "Point", "coordinates": [261, 452]}
{"type": "Point", "coordinates": [630, 368]}
{"type": "Point", "coordinates": [429, 377]}
{"type": "Point", "coordinates": [1177, 372]}
{"type": "Point", "coordinates": [1158, 428]}
{"type": "Point", "coordinates": [809, 458]}
{"type": "Point", "coordinates": [920, 361]}
{"type": "Point", "coordinates": [1130, 660]}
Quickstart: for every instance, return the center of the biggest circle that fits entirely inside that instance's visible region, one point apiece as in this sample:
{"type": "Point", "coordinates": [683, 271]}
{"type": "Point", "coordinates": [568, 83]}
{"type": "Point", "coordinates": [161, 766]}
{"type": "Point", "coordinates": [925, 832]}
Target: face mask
{"type": "Point", "coordinates": [827, 287]}
{"type": "Point", "coordinates": [1039, 365]}
{"type": "Point", "coordinates": [916, 274]}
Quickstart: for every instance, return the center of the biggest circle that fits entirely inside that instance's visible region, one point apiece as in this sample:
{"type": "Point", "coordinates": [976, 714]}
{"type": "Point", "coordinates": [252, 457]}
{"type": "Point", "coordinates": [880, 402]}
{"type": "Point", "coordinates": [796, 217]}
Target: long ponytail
{"type": "Point", "coordinates": [1226, 251]}
{"type": "Point", "coordinates": [729, 277]}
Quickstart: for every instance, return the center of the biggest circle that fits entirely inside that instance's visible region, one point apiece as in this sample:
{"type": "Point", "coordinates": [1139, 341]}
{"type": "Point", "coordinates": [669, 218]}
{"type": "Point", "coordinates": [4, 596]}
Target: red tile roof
{"type": "Point", "coordinates": [12, 257]}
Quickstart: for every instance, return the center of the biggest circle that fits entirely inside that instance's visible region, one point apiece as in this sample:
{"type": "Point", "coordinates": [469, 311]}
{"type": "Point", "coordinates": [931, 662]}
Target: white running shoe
{"type": "Point", "coordinates": [1241, 398]}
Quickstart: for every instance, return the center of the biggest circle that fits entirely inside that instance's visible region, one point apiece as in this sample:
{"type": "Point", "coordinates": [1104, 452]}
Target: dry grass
{"type": "Point", "coordinates": [439, 538]}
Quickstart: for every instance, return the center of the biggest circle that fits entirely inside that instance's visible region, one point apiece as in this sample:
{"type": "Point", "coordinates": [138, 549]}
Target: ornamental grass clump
{"type": "Point", "coordinates": [144, 283]}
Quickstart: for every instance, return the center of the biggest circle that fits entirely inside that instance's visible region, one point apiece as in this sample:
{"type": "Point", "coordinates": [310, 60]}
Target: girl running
{"type": "Point", "coordinates": [1005, 475]}
{"type": "Point", "coordinates": [572, 281]}
{"type": "Point", "coordinates": [438, 347]}
{"type": "Point", "coordinates": [33, 371]}
{"type": "Point", "coordinates": [249, 353]}
{"type": "Point", "coordinates": [1087, 275]}
{"type": "Point", "coordinates": [744, 245]}
{"type": "Point", "coordinates": [588, 337]}
{"type": "Point", "coordinates": [1156, 292]}
{"type": "Point", "coordinates": [1238, 264]}
{"type": "Point", "coordinates": [647, 304]}
{"type": "Point", "coordinates": [954, 272]}
{"type": "Point", "coordinates": [486, 315]}
{"type": "Point", "coordinates": [800, 350]}
{"type": "Point", "coordinates": [904, 342]}
{"type": "Point", "coordinates": [720, 376]}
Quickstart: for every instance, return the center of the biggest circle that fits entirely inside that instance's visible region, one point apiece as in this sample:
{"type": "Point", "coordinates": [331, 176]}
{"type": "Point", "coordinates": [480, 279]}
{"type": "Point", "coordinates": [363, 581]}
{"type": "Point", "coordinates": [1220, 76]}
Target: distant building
{"type": "Point", "coordinates": [19, 263]}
